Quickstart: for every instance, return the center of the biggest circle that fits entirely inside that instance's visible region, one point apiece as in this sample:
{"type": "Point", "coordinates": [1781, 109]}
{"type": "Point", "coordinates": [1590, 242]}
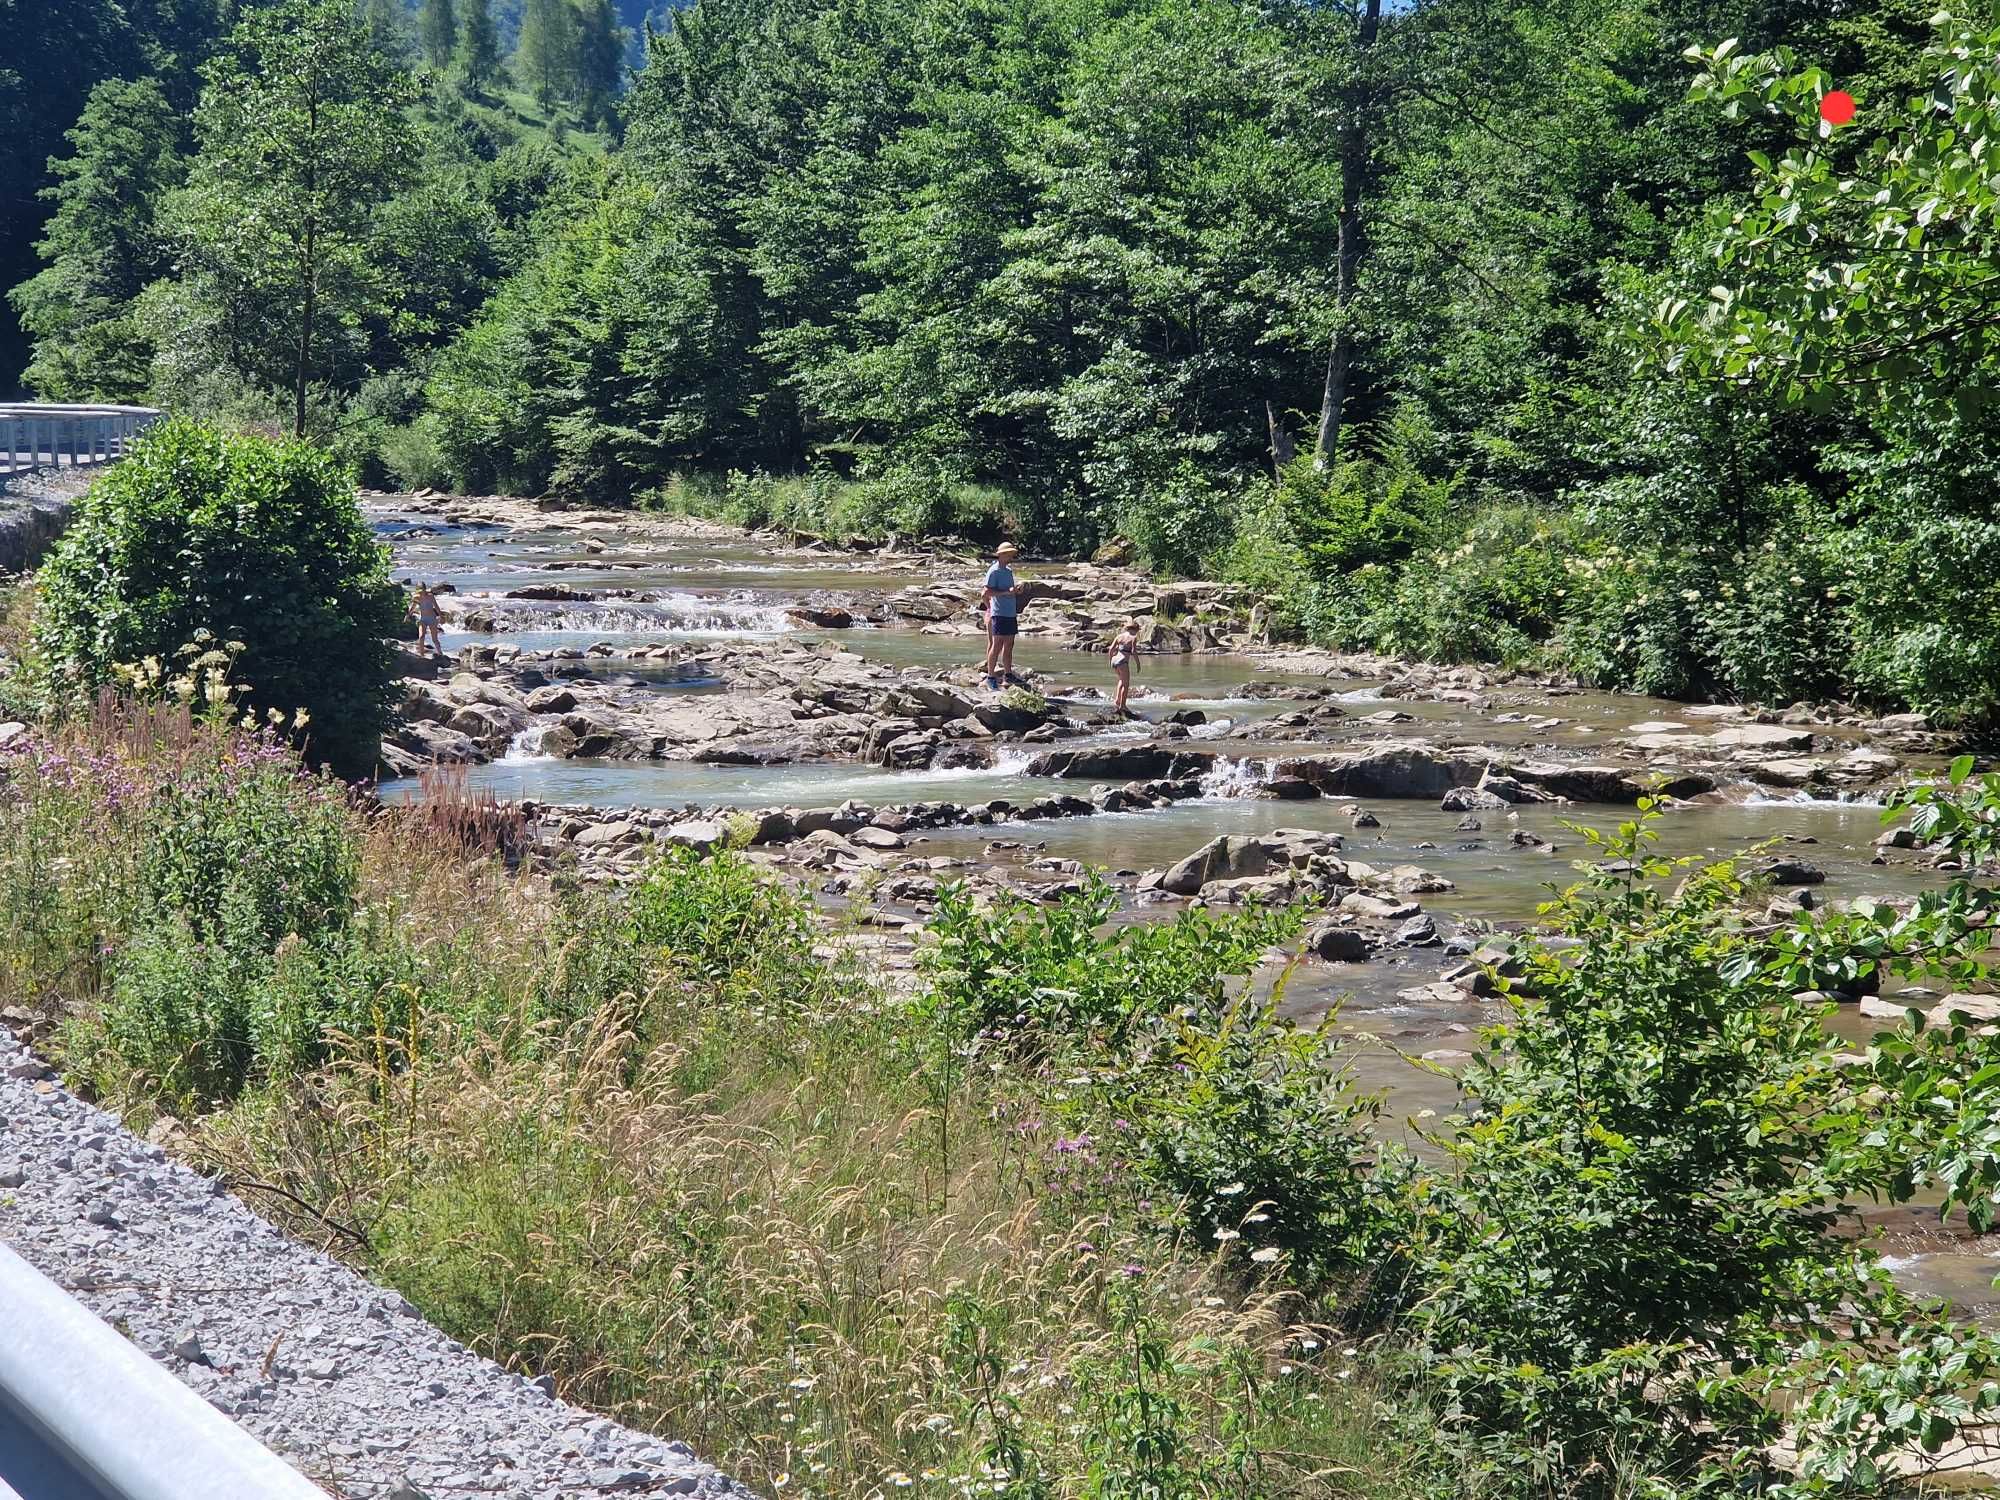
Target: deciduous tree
{"type": "Point", "coordinates": [302, 136]}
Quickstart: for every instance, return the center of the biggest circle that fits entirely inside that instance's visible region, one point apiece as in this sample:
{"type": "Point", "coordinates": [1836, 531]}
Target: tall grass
{"type": "Point", "coordinates": [676, 1148]}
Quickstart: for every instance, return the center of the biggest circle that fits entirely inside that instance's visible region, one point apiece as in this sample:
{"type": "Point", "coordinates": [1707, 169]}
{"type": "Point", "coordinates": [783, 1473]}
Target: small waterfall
{"type": "Point", "coordinates": [672, 614]}
{"type": "Point", "coordinates": [1841, 800]}
{"type": "Point", "coordinates": [527, 745]}
{"type": "Point", "coordinates": [1230, 777]}
{"type": "Point", "coordinates": [1013, 761]}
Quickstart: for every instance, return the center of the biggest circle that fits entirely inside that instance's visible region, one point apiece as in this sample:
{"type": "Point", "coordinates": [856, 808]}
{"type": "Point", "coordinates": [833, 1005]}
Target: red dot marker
{"type": "Point", "coordinates": [1837, 108]}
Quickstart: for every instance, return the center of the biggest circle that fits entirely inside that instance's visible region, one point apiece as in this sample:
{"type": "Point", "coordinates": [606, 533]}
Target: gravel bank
{"type": "Point", "coordinates": [340, 1377]}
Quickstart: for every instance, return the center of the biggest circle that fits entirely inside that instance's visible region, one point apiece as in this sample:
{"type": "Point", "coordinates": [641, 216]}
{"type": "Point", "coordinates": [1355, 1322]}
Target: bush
{"type": "Point", "coordinates": [246, 540]}
{"type": "Point", "coordinates": [1252, 1130]}
{"type": "Point", "coordinates": [1498, 595]}
{"type": "Point", "coordinates": [1775, 627]}
{"type": "Point", "coordinates": [1374, 508]}
{"type": "Point", "coordinates": [1924, 589]}
{"type": "Point", "coordinates": [240, 958]}
{"type": "Point", "coordinates": [1045, 978]}
{"type": "Point", "coordinates": [1635, 620]}
{"type": "Point", "coordinates": [1183, 522]}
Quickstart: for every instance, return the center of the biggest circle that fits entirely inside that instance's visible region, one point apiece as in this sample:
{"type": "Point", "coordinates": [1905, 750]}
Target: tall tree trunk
{"type": "Point", "coordinates": [309, 264]}
{"type": "Point", "coordinates": [1283, 449]}
{"type": "Point", "coordinates": [1357, 118]}
{"type": "Point", "coordinates": [310, 311]}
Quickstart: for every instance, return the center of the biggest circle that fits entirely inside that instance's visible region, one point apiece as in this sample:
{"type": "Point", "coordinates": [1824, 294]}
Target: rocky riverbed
{"type": "Point", "coordinates": [633, 681]}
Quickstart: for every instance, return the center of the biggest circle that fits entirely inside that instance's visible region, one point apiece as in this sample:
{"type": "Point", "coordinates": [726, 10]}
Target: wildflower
{"type": "Point", "coordinates": [1230, 1191]}
{"type": "Point", "coordinates": [1226, 1235]}
{"type": "Point", "coordinates": [900, 1480]}
{"type": "Point", "coordinates": [1268, 1254]}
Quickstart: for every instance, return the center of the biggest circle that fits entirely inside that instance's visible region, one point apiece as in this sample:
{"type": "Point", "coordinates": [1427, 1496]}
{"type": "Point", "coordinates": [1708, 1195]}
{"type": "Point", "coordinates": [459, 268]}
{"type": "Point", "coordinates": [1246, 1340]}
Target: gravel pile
{"type": "Point", "coordinates": [343, 1379]}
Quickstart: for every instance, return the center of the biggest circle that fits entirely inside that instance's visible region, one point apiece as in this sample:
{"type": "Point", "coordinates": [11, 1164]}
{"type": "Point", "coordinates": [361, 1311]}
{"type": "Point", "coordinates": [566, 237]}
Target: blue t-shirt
{"type": "Point", "coordinates": [999, 577]}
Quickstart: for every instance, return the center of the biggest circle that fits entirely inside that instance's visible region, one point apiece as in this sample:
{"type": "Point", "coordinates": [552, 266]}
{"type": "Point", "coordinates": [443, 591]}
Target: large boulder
{"type": "Point", "coordinates": [438, 742]}
{"type": "Point", "coordinates": [1409, 771]}
{"type": "Point", "coordinates": [926, 700]}
{"type": "Point", "coordinates": [1121, 763]}
{"type": "Point", "coordinates": [1333, 940]}
{"type": "Point", "coordinates": [1602, 783]}
{"type": "Point", "coordinates": [468, 687]}
{"type": "Point", "coordinates": [1225, 857]}
{"type": "Point", "coordinates": [553, 699]}
{"type": "Point", "coordinates": [492, 724]}
{"type": "Point", "coordinates": [1773, 738]}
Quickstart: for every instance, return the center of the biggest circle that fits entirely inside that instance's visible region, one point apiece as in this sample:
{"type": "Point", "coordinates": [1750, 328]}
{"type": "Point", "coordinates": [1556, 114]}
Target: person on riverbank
{"type": "Point", "coordinates": [1125, 661]}
{"type": "Point", "coordinates": [1000, 601]}
{"type": "Point", "coordinates": [429, 620]}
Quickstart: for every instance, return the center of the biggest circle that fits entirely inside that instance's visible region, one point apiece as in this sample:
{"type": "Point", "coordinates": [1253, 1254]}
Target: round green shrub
{"type": "Point", "coordinates": [246, 539]}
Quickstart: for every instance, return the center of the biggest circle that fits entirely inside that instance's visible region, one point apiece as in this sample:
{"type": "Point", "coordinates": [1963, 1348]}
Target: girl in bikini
{"type": "Point", "coordinates": [1124, 658]}
{"type": "Point", "coordinates": [425, 608]}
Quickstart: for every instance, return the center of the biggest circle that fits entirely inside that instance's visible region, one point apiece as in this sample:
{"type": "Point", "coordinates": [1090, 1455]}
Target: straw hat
{"type": "Point", "coordinates": [1006, 549]}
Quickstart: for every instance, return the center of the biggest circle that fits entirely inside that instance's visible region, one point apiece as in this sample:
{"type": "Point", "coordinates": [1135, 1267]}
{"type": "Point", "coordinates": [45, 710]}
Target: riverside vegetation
{"type": "Point", "coordinates": [1075, 1213]}
{"type": "Point", "coordinates": [1459, 334]}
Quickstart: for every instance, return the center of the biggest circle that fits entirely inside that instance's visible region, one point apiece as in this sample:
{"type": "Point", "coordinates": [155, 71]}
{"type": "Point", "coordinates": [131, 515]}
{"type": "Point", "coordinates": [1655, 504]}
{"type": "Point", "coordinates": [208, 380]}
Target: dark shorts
{"type": "Point", "coordinates": [1003, 625]}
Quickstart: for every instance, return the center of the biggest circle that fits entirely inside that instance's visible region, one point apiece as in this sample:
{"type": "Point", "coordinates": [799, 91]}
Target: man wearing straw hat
{"type": "Point", "coordinates": [1000, 601]}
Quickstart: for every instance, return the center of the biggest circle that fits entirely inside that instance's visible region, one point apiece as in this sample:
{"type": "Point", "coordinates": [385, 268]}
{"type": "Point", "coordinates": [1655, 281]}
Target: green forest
{"type": "Point", "coordinates": [1561, 334]}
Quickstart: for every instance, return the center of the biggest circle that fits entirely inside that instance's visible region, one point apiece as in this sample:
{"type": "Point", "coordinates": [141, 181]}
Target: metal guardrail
{"type": "Point", "coordinates": [85, 1416]}
{"type": "Point", "coordinates": [38, 435]}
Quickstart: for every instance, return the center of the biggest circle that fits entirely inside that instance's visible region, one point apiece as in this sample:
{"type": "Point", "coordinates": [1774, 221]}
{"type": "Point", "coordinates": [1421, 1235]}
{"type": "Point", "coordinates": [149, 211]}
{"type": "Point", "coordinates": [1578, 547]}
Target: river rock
{"type": "Point", "coordinates": [873, 837]}
{"type": "Point", "coordinates": [826, 617]}
{"type": "Point", "coordinates": [1249, 890]}
{"type": "Point", "coordinates": [1789, 871]}
{"type": "Point", "coordinates": [608, 835]}
{"type": "Point", "coordinates": [1404, 771]}
{"type": "Point", "coordinates": [926, 700]}
{"type": "Point", "coordinates": [553, 699]}
{"type": "Point", "coordinates": [1470, 799]}
{"type": "Point", "coordinates": [1225, 857]}
{"type": "Point", "coordinates": [1333, 940]}
{"type": "Point", "coordinates": [1761, 737]}
{"type": "Point", "coordinates": [1121, 763]}
{"type": "Point", "coordinates": [431, 742]}
{"type": "Point", "coordinates": [1972, 1007]}
{"type": "Point", "coordinates": [1863, 766]}
{"type": "Point", "coordinates": [1287, 789]}
{"type": "Point", "coordinates": [840, 820]}
{"type": "Point", "coordinates": [1786, 771]}
{"type": "Point", "coordinates": [492, 724]}
{"type": "Point", "coordinates": [702, 835]}
{"type": "Point", "coordinates": [469, 687]}
{"type": "Point", "coordinates": [1421, 931]}
{"type": "Point", "coordinates": [1378, 909]}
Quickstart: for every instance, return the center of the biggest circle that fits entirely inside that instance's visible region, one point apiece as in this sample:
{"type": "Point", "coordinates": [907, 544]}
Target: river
{"type": "Point", "coordinates": [713, 587]}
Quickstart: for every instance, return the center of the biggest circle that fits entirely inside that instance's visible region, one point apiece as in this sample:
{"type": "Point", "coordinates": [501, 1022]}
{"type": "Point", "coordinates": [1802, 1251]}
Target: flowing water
{"type": "Point", "coordinates": [709, 590]}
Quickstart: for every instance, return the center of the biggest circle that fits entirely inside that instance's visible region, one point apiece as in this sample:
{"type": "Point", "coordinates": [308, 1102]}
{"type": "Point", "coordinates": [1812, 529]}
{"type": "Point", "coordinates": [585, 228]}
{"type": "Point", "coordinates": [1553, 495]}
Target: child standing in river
{"type": "Point", "coordinates": [425, 607]}
{"type": "Point", "coordinates": [1124, 661]}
